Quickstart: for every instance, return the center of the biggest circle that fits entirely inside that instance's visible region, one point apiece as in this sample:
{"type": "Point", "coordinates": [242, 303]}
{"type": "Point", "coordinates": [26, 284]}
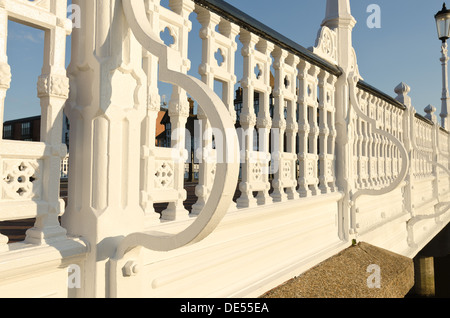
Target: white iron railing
{"type": "Point", "coordinates": [290, 122]}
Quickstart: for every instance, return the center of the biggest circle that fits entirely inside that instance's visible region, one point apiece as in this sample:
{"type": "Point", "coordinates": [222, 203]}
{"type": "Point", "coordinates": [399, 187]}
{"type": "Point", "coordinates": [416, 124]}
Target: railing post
{"type": "Point", "coordinates": [429, 110]}
{"type": "Point", "coordinates": [247, 119]}
{"type": "Point", "coordinates": [107, 105]}
{"type": "Point", "coordinates": [402, 91]}
{"type": "Point", "coordinates": [53, 91]}
{"type": "Point", "coordinates": [279, 122]}
{"type": "Point", "coordinates": [339, 18]}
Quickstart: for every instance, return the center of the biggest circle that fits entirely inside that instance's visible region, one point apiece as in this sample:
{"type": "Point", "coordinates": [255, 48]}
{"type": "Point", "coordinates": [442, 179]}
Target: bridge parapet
{"type": "Point", "coordinates": [311, 147]}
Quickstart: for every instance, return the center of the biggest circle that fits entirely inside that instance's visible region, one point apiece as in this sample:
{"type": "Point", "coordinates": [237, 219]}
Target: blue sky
{"type": "Point", "coordinates": [405, 48]}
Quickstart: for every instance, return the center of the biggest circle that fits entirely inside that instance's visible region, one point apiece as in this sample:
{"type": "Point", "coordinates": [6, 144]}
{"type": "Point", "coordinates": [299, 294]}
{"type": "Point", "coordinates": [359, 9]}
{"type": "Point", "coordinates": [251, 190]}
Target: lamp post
{"type": "Point", "coordinates": [443, 28]}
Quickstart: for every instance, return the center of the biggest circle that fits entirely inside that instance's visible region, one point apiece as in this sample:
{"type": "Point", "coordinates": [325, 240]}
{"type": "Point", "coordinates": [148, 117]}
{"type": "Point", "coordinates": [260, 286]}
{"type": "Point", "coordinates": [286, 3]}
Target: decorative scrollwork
{"type": "Point", "coordinates": [164, 175]}
{"type": "Point", "coordinates": [353, 78]}
{"type": "Point", "coordinates": [53, 85]}
{"type": "Point", "coordinates": [21, 179]}
{"type": "Point", "coordinates": [326, 44]}
{"type": "Point", "coordinates": [170, 71]}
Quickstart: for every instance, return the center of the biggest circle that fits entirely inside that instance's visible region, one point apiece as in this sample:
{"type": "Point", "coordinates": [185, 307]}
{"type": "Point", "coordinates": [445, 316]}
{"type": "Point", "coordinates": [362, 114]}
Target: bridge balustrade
{"type": "Point", "coordinates": [307, 130]}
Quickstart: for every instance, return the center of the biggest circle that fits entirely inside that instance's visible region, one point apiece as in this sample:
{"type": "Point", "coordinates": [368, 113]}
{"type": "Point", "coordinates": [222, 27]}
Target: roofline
{"type": "Point", "coordinates": [18, 120]}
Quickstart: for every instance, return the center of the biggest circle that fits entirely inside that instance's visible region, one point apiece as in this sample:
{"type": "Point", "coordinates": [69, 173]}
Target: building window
{"type": "Point", "coordinates": [168, 135]}
{"type": "Point", "coordinates": [7, 131]}
{"type": "Point", "coordinates": [26, 129]}
{"type": "Point", "coordinates": [238, 109]}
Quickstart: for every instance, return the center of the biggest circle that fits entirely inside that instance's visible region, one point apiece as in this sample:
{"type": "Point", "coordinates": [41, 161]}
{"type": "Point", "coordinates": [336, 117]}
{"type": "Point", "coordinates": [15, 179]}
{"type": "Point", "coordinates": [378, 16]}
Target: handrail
{"type": "Point", "coordinates": [422, 118]}
{"type": "Point", "coordinates": [374, 91]}
{"type": "Point", "coordinates": [444, 130]}
{"type": "Point", "coordinates": [245, 21]}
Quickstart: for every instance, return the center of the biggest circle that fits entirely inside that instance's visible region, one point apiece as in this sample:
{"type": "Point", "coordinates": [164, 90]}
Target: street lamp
{"type": "Point", "coordinates": [443, 28]}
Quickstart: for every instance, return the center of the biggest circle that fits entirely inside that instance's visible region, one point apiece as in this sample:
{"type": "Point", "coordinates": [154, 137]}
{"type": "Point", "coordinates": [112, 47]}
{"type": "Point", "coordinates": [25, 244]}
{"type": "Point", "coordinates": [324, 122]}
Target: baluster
{"type": "Point", "coordinates": [363, 142]}
{"type": "Point", "coordinates": [247, 118]}
{"type": "Point", "coordinates": [206, 163]}
{"type": "Point", "coordinates": [419, 146]}
{"type": "Point", "coordinates": [213, 42]}
{"type": "Point", "coordinates": [279, 123]}
{"type": "Point", "coordinates": [379, 140]}
{"type": "Point", "coordinates": [290, 158]}
{"type": "Point", "coordinates": [397, 136]}
{"type": "Point", "coordinates": [371, 150]}
{"type": "Point", "coordinates": [422, 159]}
{"type": "Point", "coordinates": [53, 91]}
{"type": "Point", "coordinates": [424, 148]}
{"type": "Point", "coordinates": [229, 31]}
{"type": "Point", "coordinates": [369, 143]}
{"type": "Point", "coordinates": [148, 135]}
{"type": "Point", "coordinates": [383, 144]}
{"type": "Point", "coordinates": [264, 122]}
{"type": "Point", "coordinates": [178, 113]}
{"type": "Point", "coordinates": [333, 134]}
{"type": "Point", "coordinates": [355, 140]}
{"type": "Point", "coordinates": [393, 147]}
{"type": "Point", "coordinates": [179, 110]}
{"type": "Point", "coordinates": [5, 80]}
{"type": "Point", "coordinates": [209, 21]}
{"type": "Point", "coordinates": [362, 154]}
{"type": "Point", "coordinates": [398, 125]}
{"type": "Point", "coordinates": [324, 132]}
{"type": "Point", "coordinates": [389, 145]}
{"type": "Point", "coordinates": [228, 77]}
{"type": "Point", "coordinates": [376, 153]}
{"type": "Point", "coordinates": [365, 128]}
{"type": "Point", "coordinates": [303, 129]}
{"type": "Point", "coordinates": [314, 132]}
{"type": "Point", "coordinates": [359, 141]}
{"type": "Point", "coordinates": [256, 78]}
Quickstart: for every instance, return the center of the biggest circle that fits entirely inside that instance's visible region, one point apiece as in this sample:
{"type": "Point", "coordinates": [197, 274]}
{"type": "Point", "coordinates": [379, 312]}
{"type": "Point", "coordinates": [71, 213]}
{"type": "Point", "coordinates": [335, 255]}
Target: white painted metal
{"type": "Point", "coordinates": [346, 161]}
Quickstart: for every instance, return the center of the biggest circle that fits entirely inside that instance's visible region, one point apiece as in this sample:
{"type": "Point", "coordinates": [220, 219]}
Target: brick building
{"type": "Point", "coordinates": [29, 129]}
